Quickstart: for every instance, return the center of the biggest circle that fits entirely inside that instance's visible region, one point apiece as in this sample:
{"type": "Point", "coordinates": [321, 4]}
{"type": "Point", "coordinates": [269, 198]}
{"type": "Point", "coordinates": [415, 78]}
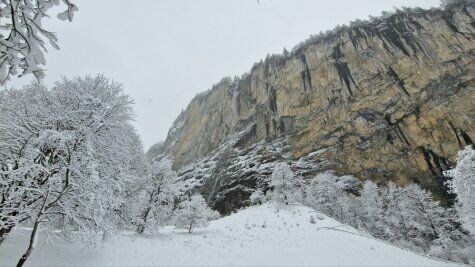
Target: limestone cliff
{"type": "Point", "coordinates": [392, 99]}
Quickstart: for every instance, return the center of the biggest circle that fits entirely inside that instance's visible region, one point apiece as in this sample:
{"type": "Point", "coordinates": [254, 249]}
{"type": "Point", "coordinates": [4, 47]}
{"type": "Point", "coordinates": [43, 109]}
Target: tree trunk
{"type": "Point", "coordinates": [191, 226]}
{"type": "Point", "coordinates": [141, 227]}
{"type": "Point", "coordinates": [34, 232]}
{"type": "Point", "coordinates": [31, 246]}
{"type": "Point", "coordinates": [4, 233]}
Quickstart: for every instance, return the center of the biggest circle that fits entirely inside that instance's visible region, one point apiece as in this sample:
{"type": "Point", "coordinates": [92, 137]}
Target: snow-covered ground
{"type": "Point", "coordinates": [260, 235]}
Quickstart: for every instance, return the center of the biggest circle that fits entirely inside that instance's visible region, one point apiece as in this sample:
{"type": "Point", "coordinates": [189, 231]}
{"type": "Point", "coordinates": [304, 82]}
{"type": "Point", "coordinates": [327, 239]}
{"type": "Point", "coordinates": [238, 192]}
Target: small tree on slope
{"type": "Point", "coordinates": [257, 197]}
{"type": "Point", "coordinates": [156, 194]}
{"type": "Point", "coordinates": [284, 185]}
{"type": "Point", "coordinates": [371, 212]}
{"type": "Point", "coordinates": [194, 212]}
{"type": "Point", "coordinates": [326, 193]}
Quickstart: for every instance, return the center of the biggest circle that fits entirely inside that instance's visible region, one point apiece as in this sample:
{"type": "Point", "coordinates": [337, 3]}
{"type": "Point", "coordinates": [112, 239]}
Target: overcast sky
{"type": "Point", "coordinates": [165, 52]}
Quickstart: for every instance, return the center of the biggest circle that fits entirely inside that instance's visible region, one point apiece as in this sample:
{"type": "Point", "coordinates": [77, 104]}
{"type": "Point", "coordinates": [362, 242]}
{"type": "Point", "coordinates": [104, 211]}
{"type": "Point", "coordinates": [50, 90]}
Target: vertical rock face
{"type": "Point", "coordinates": [389, 100]}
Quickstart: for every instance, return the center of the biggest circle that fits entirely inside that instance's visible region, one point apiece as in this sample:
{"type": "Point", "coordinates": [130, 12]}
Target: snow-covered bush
{"type": "Point", "coordinates": [326, 192]}
{"type": "Point", "coordinates": [257, 197]}
{"type": "Point", "coordinates": [285, 185]}
{"type": "Point", "coordinates": [194, 212]}
{"type": "Point", "coordinates": [463, 185]}
{"type": "Point", "coordinates": [312, 219]}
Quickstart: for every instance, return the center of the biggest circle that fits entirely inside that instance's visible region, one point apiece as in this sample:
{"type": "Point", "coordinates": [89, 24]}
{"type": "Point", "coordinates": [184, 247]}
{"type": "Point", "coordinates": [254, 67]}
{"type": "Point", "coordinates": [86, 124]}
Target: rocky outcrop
{"type": "Point", "coordinates": [388, 100]}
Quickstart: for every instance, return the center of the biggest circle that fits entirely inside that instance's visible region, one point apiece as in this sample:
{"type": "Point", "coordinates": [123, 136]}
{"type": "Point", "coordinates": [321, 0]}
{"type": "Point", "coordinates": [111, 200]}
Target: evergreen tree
{"type": "Point", "coordinates": [284, 185]}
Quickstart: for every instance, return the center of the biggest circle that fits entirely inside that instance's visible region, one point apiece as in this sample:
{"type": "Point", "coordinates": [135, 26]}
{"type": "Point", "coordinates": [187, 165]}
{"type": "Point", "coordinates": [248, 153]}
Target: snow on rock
{"type": "Point", "coordinates": [230, 174]}
{"type": "Point", "coordinates": [260, 235]}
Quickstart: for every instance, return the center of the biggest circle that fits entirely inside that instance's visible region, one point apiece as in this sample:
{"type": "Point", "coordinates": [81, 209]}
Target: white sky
{"type": "Point", "coordinates": [166, 51]}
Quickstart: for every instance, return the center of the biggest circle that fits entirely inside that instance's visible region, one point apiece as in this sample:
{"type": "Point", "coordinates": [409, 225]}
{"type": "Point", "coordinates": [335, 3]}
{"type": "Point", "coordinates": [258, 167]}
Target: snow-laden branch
{"type": "Point", "coordinates": [23, 38]}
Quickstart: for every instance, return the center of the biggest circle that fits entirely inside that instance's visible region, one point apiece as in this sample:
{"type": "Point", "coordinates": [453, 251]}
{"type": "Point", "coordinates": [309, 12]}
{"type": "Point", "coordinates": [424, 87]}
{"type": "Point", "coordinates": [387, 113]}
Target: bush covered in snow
{"type": "Point", "coordinates": [257, 197]}
{"type": "Point", "coordinates": [194, 212]}
{"type": "Point", "coordinates": [285, 185]}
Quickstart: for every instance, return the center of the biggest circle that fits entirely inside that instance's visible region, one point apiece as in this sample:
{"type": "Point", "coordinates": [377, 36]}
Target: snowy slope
{"type": "Point", "coordinates": [258, 235]}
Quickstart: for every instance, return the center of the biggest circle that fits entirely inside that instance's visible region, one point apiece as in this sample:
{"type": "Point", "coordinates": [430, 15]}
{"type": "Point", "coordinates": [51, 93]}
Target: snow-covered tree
{"type": "Point", "coordinates": [393, 225]}
{"type": "Point", "coordinates": [285, 52]}
{"type": "Point", "coordinates": [155, 151]}
{"type": "Point", "coordinates": [23, 38]}
{"type": "Point", "coordinates": [156, 195]}
{"type": "Point", "coordinates": [257, 197]}
{"type": "Point", "coordinates": [326, 193]}
{"type": "Point", "coordinates": [194, 212]}
{"type": "Point", "coordinates": [137, 158]}
{"type": "Point", "coordinates": [407, 216]}
{"type": "Point", "coordinates": [463, 185]}
{"type": "Point", "coordinates": [424, 215]}
{"type": "Point", "coordinates": [370, 208]}
{"type": "Point", "coordinates": [431, 227]}
{"type": "Point", "coordinates": [284, 184]}
{"type": "Point", "coordinates": [62, 156]}
{"type": "Point", "coordinates": [452, 242]}
{"type": "Point", "coordinates": [137, 171]}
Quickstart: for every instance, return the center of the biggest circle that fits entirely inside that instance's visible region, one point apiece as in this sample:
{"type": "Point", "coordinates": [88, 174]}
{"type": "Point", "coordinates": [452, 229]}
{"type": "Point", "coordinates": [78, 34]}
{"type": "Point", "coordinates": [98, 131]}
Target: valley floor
{"type": "Point", "coordinates": [260, 235]}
